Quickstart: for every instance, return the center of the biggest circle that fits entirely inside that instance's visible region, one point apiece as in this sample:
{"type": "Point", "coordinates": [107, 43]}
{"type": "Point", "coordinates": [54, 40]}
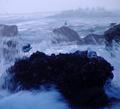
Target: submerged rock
{"type": "Point", "coordinates": [26, 48]}
{"type": "Point", "coordinates": [77, 76]}
{"type": "Point", "coordinates": [65, 33]}
{"type": "Point", "coordinates": [8, 30]}
{"type": "Point", "coordinates": [112, 34]}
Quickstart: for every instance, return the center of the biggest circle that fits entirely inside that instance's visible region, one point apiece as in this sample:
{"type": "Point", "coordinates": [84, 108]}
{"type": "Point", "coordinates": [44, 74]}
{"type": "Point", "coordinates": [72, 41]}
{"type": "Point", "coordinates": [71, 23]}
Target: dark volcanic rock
{"type": "Point", "coordinates": [79, 76]}
{"type": "Point", "coordinates": [94, 39]}
{"type": "Point", "coordinates": [8, 30]}
{"type": "Point", "coordinates": [112, 34]}
{"type": "Point", "coordinates": [66, 34]}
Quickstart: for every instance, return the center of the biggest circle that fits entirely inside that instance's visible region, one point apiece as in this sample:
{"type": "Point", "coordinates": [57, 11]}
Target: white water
{"type": "Point", "coordinates": [33, 100]}
{"type": "Point", "coordinates": [37, 32]}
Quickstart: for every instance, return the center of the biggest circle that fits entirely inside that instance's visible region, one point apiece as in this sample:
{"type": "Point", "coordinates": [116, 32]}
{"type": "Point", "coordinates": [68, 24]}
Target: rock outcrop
{"type": "Point", "coordinates": [79, 76]}
{"type": "Point", "coordinates": [65, 33]}
{"type": "Point", "coordinates": [94, 39]}
{"type": "Point", "coordinates": [112, 34]}
{"type": "Point", "coordinates": [8, 30]}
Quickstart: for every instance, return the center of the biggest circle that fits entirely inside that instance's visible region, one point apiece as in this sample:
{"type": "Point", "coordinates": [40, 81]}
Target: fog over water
{"type": "Point", "coordinates": [28, 6]}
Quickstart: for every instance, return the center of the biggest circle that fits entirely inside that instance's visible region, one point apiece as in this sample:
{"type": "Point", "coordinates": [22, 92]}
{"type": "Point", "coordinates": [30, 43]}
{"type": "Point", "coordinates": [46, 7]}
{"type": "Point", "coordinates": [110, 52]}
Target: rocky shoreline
{"type": "Point", "coordinates": [80, 76]}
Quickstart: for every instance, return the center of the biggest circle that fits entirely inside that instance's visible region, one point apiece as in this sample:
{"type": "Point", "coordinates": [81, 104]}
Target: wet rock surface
{"type": "Point", "coordinates": [79, 78]}
{"type": "Point", "coordinates": [94, 39]}
{"type": "Point", "coordinates": [66, 34]}
{"type": "Point", "coordinates": [112, 34]}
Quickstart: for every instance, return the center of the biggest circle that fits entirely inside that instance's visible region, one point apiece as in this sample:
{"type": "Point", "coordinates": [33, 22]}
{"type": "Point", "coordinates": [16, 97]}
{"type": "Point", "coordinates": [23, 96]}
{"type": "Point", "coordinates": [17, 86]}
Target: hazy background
{"type": "Point", "coordinates": [28, 6]}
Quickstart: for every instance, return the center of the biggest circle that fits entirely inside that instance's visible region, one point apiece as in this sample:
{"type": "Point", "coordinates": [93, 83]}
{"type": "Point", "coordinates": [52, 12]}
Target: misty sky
{"type": "Point", "coordinates": [23, 6]}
